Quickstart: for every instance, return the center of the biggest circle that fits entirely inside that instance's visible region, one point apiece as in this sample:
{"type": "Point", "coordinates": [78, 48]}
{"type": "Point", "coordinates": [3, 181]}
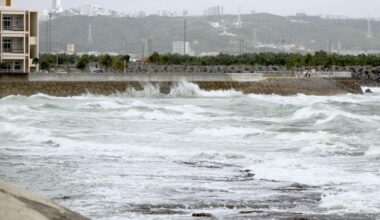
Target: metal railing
{"type": "Point", "coordinates": [13, 28]}
{"type": "Point", "coordinates": [11, 50]}
{"type": "Point", "coordinates": [164, 77]}
{"type": "Point", "coordinates": [12, 71]}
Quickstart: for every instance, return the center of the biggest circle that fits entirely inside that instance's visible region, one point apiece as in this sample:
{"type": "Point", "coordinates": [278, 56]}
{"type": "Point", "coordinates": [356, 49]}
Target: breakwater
{"type": "Point", "coordinates": [74, 85]}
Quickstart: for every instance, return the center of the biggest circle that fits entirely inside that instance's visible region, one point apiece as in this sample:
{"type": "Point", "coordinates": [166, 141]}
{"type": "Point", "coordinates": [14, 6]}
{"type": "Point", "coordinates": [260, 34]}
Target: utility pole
{"type": "Point", "coordinates": [126, 47]}
{"type": "Point", "coordinates": [143, 50]}
{"type": "Point", "coordinates": [50, 17]}
{"type": "Point", "coordinates": [47, 38]}
{"type": "Point", "coordinates": [241, 41]}
{"type": "Point", "coordinates": [184, 36]}
{"type": "Point", "coordinates": [330, 46]}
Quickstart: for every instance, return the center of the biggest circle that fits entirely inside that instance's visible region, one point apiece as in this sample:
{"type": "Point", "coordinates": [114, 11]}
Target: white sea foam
{"type": "Point", "coordinates": [143, 147]}
{"type": "Point", "coordinates": [373, 151]}
{"type": "Point", "coordinates": [227, 131]}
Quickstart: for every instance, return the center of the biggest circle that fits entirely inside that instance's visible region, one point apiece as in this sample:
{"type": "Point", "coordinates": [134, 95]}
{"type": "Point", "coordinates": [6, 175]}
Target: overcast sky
{"type": "Point", "coordinates": [352, 8]}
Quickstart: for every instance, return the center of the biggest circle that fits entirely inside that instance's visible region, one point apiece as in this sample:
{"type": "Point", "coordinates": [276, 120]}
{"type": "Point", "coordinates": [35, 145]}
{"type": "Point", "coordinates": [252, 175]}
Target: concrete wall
{"type": "Point", "coordinates": [175, 77]}
{"type": "Point", "coordinates": [281, 86]}
{"type": "Point", "coordinates": [18, 204]}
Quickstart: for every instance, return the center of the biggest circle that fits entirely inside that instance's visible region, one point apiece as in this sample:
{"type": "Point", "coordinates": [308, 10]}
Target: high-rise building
{"type": "Point", "coordinates": [56, 4]}
{"type": "Point", "coordinates": [182, 48]}
{"type": "Point", "coordinates": [86, 9]}
{"type": "Point", "coordinates": [214, 11]}
{"type": "Point", "coordinates": [57, 7]}
{"type": "Point", "coordinates": [19, 39]}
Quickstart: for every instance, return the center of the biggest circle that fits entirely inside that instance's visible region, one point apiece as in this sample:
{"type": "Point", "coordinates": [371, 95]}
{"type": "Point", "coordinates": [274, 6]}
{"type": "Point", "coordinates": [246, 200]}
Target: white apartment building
{"type": "Point", "coordinates": [86, 9]}
{"type": "Point", "coordinates": [57, 6]}
{"type": "Point", "coordinates": [19, 39]}
{"type": "Point", "coordinates": [214, 11]}
{"type": "Point", "coordinates": [182, 48]}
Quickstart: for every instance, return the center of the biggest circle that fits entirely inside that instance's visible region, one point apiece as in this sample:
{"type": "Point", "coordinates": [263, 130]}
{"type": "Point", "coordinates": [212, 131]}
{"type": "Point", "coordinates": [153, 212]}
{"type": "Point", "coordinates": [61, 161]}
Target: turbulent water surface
{"type": "Point", "coordinates": [142, 155]}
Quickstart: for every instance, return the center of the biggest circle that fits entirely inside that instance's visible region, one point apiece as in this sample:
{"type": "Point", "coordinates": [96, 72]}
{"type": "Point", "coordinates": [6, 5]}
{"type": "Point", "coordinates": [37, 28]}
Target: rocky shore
{"type": "Point", "coordinates": [19, 204]}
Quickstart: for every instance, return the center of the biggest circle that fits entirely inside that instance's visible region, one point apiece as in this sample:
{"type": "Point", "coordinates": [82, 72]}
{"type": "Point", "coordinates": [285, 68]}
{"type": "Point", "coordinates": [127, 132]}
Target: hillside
{"type": "Point", "coordinates": [213, 34]}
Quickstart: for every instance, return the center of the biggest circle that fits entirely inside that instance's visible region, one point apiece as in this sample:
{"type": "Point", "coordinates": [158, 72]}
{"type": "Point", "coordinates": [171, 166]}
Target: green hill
{"type": "Point", "coordinates": [258, 32]}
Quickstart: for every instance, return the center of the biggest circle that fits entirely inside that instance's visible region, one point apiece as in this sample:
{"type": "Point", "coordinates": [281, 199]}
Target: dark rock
{"type": "Point", "coordinates": [368, 91]}
{"type": "Point", "coordinates": [207, 215]}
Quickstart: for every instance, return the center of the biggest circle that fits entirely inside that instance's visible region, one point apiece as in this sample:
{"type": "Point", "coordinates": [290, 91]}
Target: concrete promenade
{"type": "Point", "coordinates": [18, 204]}
{"type": "Point", "coordinates": [178, 77]}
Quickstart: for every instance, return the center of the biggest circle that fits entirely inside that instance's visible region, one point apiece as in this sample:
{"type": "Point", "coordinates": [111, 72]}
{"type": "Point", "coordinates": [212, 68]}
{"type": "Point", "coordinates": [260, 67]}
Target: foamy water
{"type": "Point", "coordinates": [144, 155]}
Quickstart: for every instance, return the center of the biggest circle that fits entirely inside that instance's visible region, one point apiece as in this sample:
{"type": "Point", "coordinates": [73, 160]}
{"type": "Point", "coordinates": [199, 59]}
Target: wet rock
{"type": "Point", "coordinates": [251, 212]}
{"type": "Point", "coordinates": [368, 91]}
{"type": "Point", "coordinates": [203, 214]}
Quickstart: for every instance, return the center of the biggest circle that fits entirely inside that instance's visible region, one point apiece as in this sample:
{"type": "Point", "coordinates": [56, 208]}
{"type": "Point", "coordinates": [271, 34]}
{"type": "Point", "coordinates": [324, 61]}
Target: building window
{"type": "Point", "coordinates": [17, 45]}
{"type": "Point", "coordinates": [7, 22]}
{"type": "Point", "coordinates": [18, 23]}
{"type": "Point", "coordinates": [7, 45]}
{"type": "Point", "coordinates": [17, 65]}
{"type": "Point", "coordinates": [8, 3]}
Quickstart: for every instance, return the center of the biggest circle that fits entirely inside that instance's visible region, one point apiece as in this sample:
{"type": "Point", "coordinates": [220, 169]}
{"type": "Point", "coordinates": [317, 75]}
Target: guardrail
{"type": "Point", "coordinates": [175, 77]}
{"type": "Point", "coordinates": [156, 77]}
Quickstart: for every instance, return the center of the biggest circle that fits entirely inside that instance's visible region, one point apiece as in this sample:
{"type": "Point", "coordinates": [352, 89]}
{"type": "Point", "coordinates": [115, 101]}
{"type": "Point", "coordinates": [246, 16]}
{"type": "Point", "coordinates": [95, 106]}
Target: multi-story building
{"type": "Point", "coordinates": [19, 39]}
{"type": "Point", "coordinates": [86, 9]}
{"type": "Point", "coordinates": [214, 11]}
{"type": "Point", "coordinates": [182, 48]}
{"type": "Point", "coordinates": [57, 6]}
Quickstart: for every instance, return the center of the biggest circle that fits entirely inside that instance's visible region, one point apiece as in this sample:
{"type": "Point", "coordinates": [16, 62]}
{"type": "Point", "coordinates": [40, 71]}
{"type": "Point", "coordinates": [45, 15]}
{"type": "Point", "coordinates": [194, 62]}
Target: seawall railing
{"type": "Point", "coordinates": [175, 77]}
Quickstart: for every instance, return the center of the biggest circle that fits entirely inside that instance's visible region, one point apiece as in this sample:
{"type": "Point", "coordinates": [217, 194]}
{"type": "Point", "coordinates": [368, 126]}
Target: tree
{"type": "Point", "coordinates": [83, 62]}
{"type": "Point", "coordinates": [118, 64]}
{"type": "Point", "coordinates": [329, 62]}
{"type": "Point", "coordinates": [154, 58]}
{"type": "Point", "coordinates": [45, 65]}
{"type": "Point", "coordinates": [105, 61]}
{"type": "Point", "coordinates": [36, 61]}
{"type": "Point", "coordinates": [291, 62]}
{"type": "Point", "coordinates": [309, 60]}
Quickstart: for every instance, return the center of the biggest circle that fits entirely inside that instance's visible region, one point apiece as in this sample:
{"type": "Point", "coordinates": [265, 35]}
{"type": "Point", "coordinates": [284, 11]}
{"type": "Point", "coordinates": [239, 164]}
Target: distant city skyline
{"type": "Point", "coordinates": [351, 8]}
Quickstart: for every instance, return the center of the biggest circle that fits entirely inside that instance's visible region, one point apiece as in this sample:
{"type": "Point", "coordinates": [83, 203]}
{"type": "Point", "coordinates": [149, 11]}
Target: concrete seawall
{"type": "Point", "coordinates": [19, 204]}
{"type": "Point", "coordinates": [280, 86]}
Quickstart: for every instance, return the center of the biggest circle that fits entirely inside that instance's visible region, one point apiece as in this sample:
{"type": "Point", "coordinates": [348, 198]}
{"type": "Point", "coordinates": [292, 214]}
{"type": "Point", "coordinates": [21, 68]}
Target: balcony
{"type": "Point", "coordinates": [12, 71]}
{"type": "Point", "coordinates": [13, 50]}
{"type": "Point", "coordinates": [13, 23]}
{"type": "Point", "coordinates": [13, 28]}
{"type": "Point", "coordinates": [13, 45]}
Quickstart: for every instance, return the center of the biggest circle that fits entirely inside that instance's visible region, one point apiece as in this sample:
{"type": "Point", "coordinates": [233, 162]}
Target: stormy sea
{"type": "Point", "coordinates": [144, 155]}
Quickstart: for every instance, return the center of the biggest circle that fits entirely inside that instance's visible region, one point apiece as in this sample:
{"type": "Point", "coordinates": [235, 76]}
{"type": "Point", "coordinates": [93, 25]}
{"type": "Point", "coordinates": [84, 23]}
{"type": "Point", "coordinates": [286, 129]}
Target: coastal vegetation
{"type": "Point", "coordinates": [83, 62]}
{"type": "Point", "coordinates": [288, 60]}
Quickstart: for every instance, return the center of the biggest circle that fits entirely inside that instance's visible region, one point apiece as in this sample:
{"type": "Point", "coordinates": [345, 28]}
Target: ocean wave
{"type": "Point", "coordinates": [373, 151]}
{"type": "Point", "coordinates": [227, 131]}
{"type": "Point", "coordinates": [27, 134]}
{"type": "Point", "coordinates": [179, 89]}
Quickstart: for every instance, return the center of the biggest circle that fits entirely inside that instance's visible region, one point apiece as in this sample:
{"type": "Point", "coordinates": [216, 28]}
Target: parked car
{"type": "Point", "coordinates": [97, 71]}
